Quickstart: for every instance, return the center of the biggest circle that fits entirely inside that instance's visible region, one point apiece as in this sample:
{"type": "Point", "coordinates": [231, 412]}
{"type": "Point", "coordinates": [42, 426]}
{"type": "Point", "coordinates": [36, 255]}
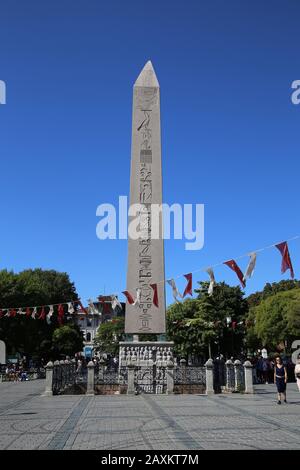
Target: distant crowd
{"type": "Point", "coordinates": [263, 369]}
{"type": "Point", "coordinates": [22, 370]}
{"type": "Point", "coordinates": [109, 362]}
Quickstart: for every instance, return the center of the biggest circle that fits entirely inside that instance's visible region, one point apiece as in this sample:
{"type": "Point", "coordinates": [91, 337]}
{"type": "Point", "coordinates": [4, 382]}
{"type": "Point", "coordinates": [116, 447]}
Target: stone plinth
{"type": "Point", "coordinates": [145, 353]}
{"type": "Point", "coordinates": [149, 365]}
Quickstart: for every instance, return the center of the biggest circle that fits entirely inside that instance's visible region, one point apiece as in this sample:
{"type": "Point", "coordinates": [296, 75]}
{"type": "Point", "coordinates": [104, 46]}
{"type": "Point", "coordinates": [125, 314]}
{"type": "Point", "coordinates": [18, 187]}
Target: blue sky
{"type": "Point", "coordinates": [230, 133]}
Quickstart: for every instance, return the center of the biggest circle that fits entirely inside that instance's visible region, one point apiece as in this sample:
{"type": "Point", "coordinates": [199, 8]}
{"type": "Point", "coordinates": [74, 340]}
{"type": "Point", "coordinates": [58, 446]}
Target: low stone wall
{"type": "Point", "coordinates": [109, 389]}
{"type": "Point", "coordinates": [190, 389]}
{"type": "Point", "coordinates": [75, 389]}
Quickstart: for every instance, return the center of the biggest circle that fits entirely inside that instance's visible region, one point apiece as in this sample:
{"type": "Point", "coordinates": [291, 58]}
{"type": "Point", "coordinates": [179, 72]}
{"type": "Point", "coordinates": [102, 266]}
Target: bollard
{"type": "Point", "coordinates": [209, 366]}
{"type": "Point", "coordinates": [237, 373]}
{"type": "Point", "coordinates": [248, 377]}
{"type": "Point", "coordinates": [49, 379]}
{"type": "Point", "coordinates": [90, 379]}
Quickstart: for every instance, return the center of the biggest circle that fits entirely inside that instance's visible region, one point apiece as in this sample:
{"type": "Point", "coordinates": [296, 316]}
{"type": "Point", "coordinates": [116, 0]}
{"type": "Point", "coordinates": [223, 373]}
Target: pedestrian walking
{"type": "Point", "coordinates": [297, 372]}
{"type": "Point", "coordinates": [280, 379]}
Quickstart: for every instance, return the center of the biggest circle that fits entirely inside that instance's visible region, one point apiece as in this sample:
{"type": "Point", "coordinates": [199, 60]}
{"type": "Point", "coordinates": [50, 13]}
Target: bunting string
{"type": "Point", "coordinates": [213, 266]}
{"type": "Point", "coordinates": [39, 312]}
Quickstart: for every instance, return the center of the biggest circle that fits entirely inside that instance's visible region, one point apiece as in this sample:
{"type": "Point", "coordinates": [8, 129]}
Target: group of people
{"type": "Point", "coordinates": [110, 362]}
{"type": "Point", "coordinates": [264, 369]}
{"type": "Point", "coordinates": [22, 369]}
{"type": "Point", "coordinates": [16, 372]}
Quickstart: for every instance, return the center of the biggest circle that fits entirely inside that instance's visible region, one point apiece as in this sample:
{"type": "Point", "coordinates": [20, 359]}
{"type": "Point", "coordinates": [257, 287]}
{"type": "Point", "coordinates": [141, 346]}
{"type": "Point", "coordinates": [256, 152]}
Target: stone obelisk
{"type": "Point", "coordinates": [145, 254]}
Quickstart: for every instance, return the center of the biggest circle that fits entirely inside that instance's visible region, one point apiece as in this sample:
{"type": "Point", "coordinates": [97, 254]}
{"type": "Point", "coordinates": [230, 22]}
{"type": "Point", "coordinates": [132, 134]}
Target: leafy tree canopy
{"type": "Point", "coordinates": [272, 289]}
{"type": "Point", "coordinates": [109, 334]}
{"type": "Point", "coordinates": [67, 340]}
{"type": "Point", "coordinates": [277, 318]}
{"type": "Point", "coordinates": [197, 324]}
{"type": "Point", "coordinates": [32, 287]}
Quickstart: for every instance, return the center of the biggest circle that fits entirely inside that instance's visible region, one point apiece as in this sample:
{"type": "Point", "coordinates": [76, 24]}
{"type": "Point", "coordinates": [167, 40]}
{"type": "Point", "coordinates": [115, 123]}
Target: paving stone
{"type": "Point", "coordinates": [160, 422]}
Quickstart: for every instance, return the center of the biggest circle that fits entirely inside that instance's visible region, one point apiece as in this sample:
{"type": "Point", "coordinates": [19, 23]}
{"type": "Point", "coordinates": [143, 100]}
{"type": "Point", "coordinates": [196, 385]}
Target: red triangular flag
{"type": "Point", "coordinates": [12, 312]}
{"type": "Point", "coordinates": [189, 286]}
{"type": "Point", "coordinates": [42, 314]}
{"type": "Point", "coordinates": [60, 314]}
{"type": "Point", "coordinates": [232, 265]}
{"type": "Point", "coordinates": [28, 312]}
{"type": "Point", "coordinates": [233, 324]}
{"type": "Point", "coordinates": [1, 313]}
{"type": "Point", "coordinates": [82, 307]}
{"type": "Point", "coordinates": [128, 296]}
{"type": "Point", "coordinates": [155, 294]}
{"type": "Point", "coordinates": [286, 259]}
{"type": "Point", "coordinates": [106, 307]}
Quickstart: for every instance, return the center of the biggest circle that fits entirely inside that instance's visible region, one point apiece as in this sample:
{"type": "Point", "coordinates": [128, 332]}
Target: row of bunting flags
{"type": "Point", "coordinates": [286, 264]}
{"type": "Point", "coordinates": [45, 312]}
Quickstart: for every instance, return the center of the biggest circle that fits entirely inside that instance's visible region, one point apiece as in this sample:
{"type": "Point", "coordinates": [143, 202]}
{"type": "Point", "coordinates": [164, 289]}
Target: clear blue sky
{"type": "Point", "coordinates": [230, 133]}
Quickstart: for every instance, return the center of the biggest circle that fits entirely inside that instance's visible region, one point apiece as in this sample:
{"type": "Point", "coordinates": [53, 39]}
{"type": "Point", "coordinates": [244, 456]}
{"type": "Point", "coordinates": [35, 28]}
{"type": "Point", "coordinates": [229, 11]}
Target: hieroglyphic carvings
{"type": "Point", "coordinates": [145, 175]}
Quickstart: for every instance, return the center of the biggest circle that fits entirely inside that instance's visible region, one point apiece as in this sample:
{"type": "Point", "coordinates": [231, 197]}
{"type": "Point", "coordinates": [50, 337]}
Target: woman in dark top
{"type": "Point", "coordinates": [280, 379]}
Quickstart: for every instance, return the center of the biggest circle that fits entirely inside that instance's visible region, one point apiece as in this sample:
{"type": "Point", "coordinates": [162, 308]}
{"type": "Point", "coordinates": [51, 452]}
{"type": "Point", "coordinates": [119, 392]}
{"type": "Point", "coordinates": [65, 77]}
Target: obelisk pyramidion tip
{"type": "Point", "coordinates": [147, 77]}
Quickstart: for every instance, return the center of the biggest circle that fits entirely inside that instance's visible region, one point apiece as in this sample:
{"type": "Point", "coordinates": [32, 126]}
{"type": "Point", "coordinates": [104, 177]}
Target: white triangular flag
{"type": "Point", "coordinates": [7, 313]}
{"type": "Point", "coordinates": [49, 314]}
{"type": "Point", "coordinates": [250, 267]}
{"type": "Point", "coordinates": [92, 308]}
{"type": "Point", "coordinates": [212, 281]}
{"type": "Point", "coordinates": [34, 313]}
{"type": "Point", "coordinates": [138, 297]}
{"type": "Point", "coordinates": [115, 302]}
{"type": "Point", "coordinates": [20, 311]}
{"type": "Point", "coordinates": [70, 308]}
{"type": "Point", "coordinates": [175, 291]}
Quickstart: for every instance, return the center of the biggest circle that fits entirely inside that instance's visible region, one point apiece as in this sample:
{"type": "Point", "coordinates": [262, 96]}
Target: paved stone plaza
{"type": "Point", "coordinates": [181, 422]}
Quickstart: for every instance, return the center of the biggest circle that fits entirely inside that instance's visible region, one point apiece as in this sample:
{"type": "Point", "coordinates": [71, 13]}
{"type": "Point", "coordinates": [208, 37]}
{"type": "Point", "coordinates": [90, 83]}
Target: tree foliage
{"type": "Point", "coordinates": [109, 334]}
{"type": "Point", "coordinates": [277, 318]}
{"type": "Point", "coordinates": [32, 287]}
{"type": "Point", "coordinates": [67, 340]}
{"type": "Point", "coordinates": [272, 289]}
{"type": "Point", "coordinates": [197, 324]}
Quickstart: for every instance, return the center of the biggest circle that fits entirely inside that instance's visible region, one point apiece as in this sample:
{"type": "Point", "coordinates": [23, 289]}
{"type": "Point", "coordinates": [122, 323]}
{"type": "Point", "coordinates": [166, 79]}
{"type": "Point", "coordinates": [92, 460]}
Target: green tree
{"type": "Point", "coordinates": [67, 340]}
{"type": "Point", "coordinates": [187, 337]}
{"type": "Point", "coordinates": [198, 326]}
{"type": "Point", "coordinates": [32, 287]}
{"type": "Point", "coordinates": [271, 289]}
{"type": "Point", "coordinates": [277, 318]}
{"type": "Point", "coordinates": [226, 302]}
{"type": "Point", "coordinates": [109, 334]}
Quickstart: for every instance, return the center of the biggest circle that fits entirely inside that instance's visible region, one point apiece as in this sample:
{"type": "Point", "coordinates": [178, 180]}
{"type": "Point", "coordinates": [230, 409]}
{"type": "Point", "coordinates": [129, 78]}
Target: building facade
{"type": "Point", "coordinates": [96, 313]}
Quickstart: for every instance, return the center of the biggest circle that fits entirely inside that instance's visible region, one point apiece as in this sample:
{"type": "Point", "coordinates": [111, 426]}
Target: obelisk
{"type": "Point", "coordinates": [145, 254]}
